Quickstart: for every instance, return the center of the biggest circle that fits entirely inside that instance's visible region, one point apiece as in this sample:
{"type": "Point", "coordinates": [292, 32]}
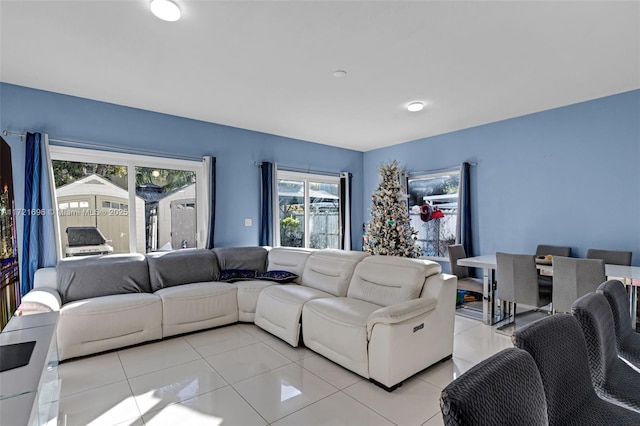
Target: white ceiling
{"type": "Point", "coordinates": [268, 66]}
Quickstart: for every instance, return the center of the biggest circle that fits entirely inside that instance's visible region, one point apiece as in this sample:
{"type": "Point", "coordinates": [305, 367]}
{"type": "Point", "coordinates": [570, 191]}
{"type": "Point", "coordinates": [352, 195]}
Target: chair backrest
{"type": "Point", "coordinates": [596, 320]}
{"type": "Point", "coordinates": [616, 295]}
{"type": "Point", "coordinates": [517, 278]}
{"type": "Point", "coordinates": [558, 348]}
{"type": "Point", "coordinates": [573, 278]}
{"type": "Point", "coordinates": [612, 257]}
{"type": "Point", "coordinates": [456, 252]}
{"type": "Point", "coordinates": [516, 396]}
{"type": "Point", "coordinates": [544, 249]}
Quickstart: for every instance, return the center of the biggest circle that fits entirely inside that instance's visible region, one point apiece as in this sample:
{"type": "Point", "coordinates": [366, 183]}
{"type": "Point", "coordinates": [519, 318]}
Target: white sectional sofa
{"type": "Point", "coordinates": [384, 318]}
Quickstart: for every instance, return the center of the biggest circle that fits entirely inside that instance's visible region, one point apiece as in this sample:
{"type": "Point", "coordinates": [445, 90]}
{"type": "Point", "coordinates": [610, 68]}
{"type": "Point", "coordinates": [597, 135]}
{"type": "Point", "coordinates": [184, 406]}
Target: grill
{"type": "Point", "coordinates": [85, 241]}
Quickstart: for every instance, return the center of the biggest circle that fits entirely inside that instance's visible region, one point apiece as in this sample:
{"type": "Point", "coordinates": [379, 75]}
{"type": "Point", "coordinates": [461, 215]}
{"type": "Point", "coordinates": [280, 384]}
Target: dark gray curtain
{"type": "Point", "coordinates": [345, 211]}
{"type": "Point", "coordinates": [464, 234]}
{"type": "Point", "coordinates": [266, 196]}
{"type": "Point", "coordinates": [211, 175]}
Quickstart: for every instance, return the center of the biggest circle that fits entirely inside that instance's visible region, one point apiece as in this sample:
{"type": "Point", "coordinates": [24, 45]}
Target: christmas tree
{"type": "Point", "coordinates": [389, 232]}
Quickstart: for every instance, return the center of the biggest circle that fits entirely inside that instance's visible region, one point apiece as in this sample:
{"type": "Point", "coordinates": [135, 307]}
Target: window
{"type": "Point", "coordinates": [138, 203]}
{"type": "Point", "coordinates": [433, 208]}
{"type": "Point", "coordinates": [309, 207]}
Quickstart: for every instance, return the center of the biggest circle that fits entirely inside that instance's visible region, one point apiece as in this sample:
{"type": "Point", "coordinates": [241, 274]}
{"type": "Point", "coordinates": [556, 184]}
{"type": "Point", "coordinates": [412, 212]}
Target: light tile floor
{"type": "Point", "coordinates": [241, 375]}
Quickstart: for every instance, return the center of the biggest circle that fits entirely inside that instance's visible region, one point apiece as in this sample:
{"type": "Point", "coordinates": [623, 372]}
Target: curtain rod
{"type": "Point", "coordinates": [444, 169]}
{"type": "Point", "coordinates": [297, 169]}
{"type": "Point", "coordinates": [112, 148]}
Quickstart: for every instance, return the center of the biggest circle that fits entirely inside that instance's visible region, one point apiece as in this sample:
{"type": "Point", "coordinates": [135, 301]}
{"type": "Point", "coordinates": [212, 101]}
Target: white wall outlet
{"type": "Point", "coordinates": [247, 222]}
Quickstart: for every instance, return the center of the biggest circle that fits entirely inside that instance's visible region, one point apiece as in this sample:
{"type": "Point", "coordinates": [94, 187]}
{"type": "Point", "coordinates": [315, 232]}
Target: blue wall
{"type": "Point", "coordinates": [67, 117]}
{"type": "Point", "coordinates": [567, 176]}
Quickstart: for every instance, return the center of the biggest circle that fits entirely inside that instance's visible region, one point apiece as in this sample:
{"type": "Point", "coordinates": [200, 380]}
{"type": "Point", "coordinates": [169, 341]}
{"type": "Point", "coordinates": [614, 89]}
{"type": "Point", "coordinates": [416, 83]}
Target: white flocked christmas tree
{"type": "Point", "coordinates": [389, 231]}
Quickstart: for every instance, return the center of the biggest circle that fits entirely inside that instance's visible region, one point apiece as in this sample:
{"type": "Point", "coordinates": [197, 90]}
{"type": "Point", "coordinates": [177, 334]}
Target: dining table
{"type": "Point", "coordinates": [629, 275]}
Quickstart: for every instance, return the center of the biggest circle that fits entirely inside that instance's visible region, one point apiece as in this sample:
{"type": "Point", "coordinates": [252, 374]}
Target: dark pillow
{"type": "Point", "coordinates": [278, 276]}
{"type": "Point", "coordinates": [232, 275]}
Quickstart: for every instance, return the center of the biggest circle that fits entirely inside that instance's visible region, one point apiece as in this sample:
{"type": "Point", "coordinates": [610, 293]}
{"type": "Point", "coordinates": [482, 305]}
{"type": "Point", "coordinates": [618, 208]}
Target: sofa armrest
{"type": "Point", "coordinates": [400, 312]}
{"type": "Point", "coordinates": [45, 278]}
{"type": "Point", "coordinates": [40, 300]}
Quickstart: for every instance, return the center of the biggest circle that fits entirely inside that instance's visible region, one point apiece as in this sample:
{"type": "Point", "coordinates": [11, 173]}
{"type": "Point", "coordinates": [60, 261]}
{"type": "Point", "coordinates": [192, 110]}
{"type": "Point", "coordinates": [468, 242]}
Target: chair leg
{"type": "Point", "coordinates": [508, 324]}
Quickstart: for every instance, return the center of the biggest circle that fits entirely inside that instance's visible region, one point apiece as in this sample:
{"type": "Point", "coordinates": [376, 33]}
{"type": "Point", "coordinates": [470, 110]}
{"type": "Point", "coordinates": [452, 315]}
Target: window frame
{"type": "Point", "coordinates": [305, 177]}
{"type": "Point", "coordinates": [435, 174]}
{"type": "Point", "coordinates": [131, 161]}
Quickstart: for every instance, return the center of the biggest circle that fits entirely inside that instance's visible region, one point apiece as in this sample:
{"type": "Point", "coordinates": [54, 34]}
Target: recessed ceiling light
{"type": "Point", "coordinates": [415, 106]}
{"type": "Point", "coordinates": [339, 73]}
{"type": "Point", "coordinates": [165, 10]}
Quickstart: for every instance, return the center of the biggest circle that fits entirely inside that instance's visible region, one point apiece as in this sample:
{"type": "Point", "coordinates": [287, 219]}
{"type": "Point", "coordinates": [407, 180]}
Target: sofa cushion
{"type": "Point", "coordinates": [343, 310]}
{"type": "Point", "coordinates": [248, 292]}
{"type": "Point", "coordinates": [336, 328]}
{"type": "Point", "coordinates": [385, 280]}
{"type": "Point", "coordinates": [254, 258]}
{"type": "Point", "coordinates": [197, 306]}
{"type": "Point", "coordinates": [331, 270]}
{"type": "Point", "coordinates": [279, 309]}
{"type": "Point", "coordinates": [167, 269]}
{"type": "Point", "coordinates": [110, 322]}
{"type": "Point", "coordinates": [86, 277]}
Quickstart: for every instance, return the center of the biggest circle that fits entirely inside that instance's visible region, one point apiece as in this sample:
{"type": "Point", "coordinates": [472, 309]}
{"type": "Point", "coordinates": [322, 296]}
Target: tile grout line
{"type": "Point", "coordinates": [133, 395]}
{"type": "Point", "coordinates": [340, 390]}
{"type": "Point", "coordinates": [91, 357]}
{"type": "Point", "coordinates": [162, 368]}
{"type": "Point", "coordinates": [177, 365]}
{"type": "Point", "coordinates": [248, 403]}
{"type": "Point", "coordinates": [229, 350]}
{"type": "Point", "coordinates": [309, 405]}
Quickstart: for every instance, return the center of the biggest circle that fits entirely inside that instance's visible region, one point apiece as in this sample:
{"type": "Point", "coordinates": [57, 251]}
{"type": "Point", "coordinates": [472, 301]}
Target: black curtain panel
{"type": "Point", "coordinates": [464, 236]}
{"type": "Point", "coordinates": [345, 211]}
{"type": "Point", "coordinates": [212, 202]}
{"type": "Point", "coordinates": [266, 215]}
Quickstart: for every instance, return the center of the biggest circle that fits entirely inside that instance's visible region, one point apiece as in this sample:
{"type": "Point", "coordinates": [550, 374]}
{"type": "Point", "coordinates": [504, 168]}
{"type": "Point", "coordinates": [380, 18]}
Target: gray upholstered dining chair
{"type": "Point", "coordinates": [545, 282]}
{"type": "Point", "coordinates": [516, 396]}
{"type": "Point", "coordinates": [558, 348]}
{"type": "Point", "coordinates": [613, 379]}
{"type": "Point", "coordinates": [517, 280]}
{"type": "Point", "coordinates": [612, 257]}
{"type": "Point", "coordinates": [573, 278]}
{"type": "Point", "coordinates": [627, 340]}
{"type": "Point", "coordinates": [465, 282]}
{"type": "Point", "coordinates": [545, 249]}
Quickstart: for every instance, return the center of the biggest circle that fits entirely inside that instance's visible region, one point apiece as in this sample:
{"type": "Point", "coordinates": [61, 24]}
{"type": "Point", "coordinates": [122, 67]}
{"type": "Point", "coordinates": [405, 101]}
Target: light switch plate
{"type": "Point", "coordinates": [247, 222]}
